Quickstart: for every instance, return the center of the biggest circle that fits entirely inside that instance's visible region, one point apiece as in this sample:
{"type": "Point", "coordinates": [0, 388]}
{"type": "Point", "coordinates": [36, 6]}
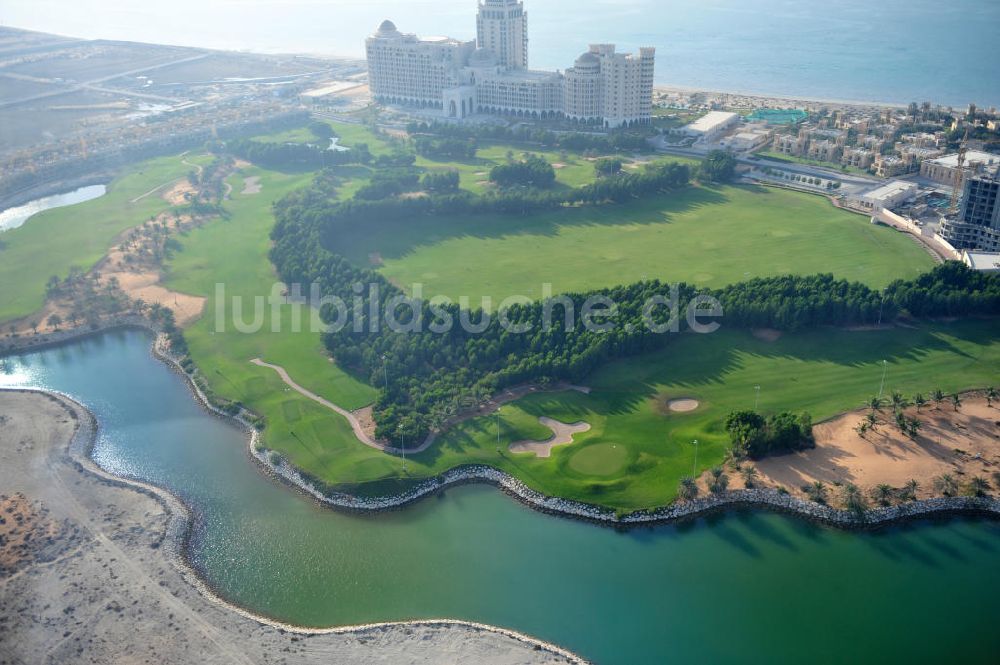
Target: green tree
{"type": "Point", "coordinates": [817, 491]}
{"type": "Point", "coordinates": [919, 400]}
{"type": "Point", "coordinates": [945, 484]}
{"type": "Point", "coordinates": [853, 500]}
{"type": "Point", "coordinates": [688, 489]}
{"type": "Point", "coordinates": [882, 494]}
{"type": "Point", "coordinates": [909, 490]}
{"type": "Point", "coordinates": [937, 396]}
{"type": "Point", "coordinates": [956, 402]}
{"type": "Point", "coordinates": [991, 395]}
{"type": "Point", "coordinates": [749, 474]}
{"type": "Point", "coordinates": [718, 166]}
{"type": "Point", "coordinates": [719, 481]}
{"type": "Point", "coordinates": [977, 486]}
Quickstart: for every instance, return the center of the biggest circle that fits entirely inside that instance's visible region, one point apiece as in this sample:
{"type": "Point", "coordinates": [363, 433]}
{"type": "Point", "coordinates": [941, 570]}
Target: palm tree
{"type": "Point", "coordinates": [882, 493]}
{"type": "Point", "coordinates": [900, 422]}
{"type": "Point", "coordinates": [817, 491]}
{"type": "Point", "coordinates": [956, 402]}
{"type": "Point", "coordinates": [991, 394]}
{"type": "Point", "coordinates": [909, 491]}
{"type": "Point", "coordinates": [978, 486]}
{"type": "Point", "coordinates": [862, 428]}
{"type": "Point", "coordinates": [719, 481]}
{"type": "Point", "coordinates": [945, 484]}
{"type": "Point", "coordinates": [854, 501]}
{"type": "Point", "coordinates": [913, 427]}
{"type": "Point", "coordinates": [688, 489]}
{"type": "Point", "coordinates": [749, 474]}
{"type": "Point", "coordinates": [872, 420]}
{"type": "Point", "coordinates": [898, 401]}
{"type": "Point", "coordinates": [937, 396]}
{"type": "Point", "coordinates": [875, 404]}
{"type": "Point", "coordinates": [919, 400]}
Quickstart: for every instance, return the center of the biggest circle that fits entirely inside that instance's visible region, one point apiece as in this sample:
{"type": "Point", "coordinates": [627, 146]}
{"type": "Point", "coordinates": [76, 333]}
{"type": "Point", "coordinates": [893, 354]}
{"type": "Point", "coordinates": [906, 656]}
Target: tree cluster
{"type": "Point", "coordinates": [531, 172]}
{"type": "Point", "coordinates": [752, 435]}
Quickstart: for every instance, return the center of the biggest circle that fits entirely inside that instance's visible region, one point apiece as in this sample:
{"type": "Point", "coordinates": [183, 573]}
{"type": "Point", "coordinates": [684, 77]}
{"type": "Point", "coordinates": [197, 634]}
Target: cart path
{"type": "Point", "coordinates": [487, 408]}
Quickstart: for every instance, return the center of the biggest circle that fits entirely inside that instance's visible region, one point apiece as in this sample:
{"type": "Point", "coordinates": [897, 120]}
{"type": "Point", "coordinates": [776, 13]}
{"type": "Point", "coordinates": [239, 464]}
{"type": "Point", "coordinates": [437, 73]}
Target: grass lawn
{"type": "Point", "coordinates": [80, 235]}
{"type": "Point", "coordinates": [233, 252]}
{"type": "Point", "coordinates": [637, 450]}
{"type": "Point", "coordinates": [705, 236]}
{"type": "Point", "coordinates": [572, 170]}
{"type": "Point", "coordinates": [779, 157]}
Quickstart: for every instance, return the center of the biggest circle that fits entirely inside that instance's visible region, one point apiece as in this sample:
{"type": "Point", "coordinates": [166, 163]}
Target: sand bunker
{"type": "Point", "coordinates": [767, 334]}
{"type": "Point", "coordinates": [682, 405]}
{"type": "Point", "coordinates": [251, 185]}
{"type": "Point", "coordinates": [561, 435]}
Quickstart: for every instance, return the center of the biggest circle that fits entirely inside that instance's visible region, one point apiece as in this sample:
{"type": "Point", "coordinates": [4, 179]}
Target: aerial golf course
{"type": "Point", "coordinates": [636, 449]}
{"type": "Point", "coordinates": [631, 448]}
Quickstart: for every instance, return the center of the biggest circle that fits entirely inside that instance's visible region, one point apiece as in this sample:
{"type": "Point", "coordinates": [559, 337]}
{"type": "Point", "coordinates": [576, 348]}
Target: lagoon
{"type": "Point", "coordinates": [740, 587]}
{"type": "Point", "coordinates": [12, 218]}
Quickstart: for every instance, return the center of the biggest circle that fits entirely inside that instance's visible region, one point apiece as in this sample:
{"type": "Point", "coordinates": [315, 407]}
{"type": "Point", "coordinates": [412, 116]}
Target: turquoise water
{"type": "Point", "coordinates": [746, 587]}
{"type": "Point", "coordinates": [889, 50]}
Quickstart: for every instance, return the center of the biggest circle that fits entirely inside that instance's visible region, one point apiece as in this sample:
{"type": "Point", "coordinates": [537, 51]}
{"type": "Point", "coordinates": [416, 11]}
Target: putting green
{"type": "Point", "coordinates": [600, 459]}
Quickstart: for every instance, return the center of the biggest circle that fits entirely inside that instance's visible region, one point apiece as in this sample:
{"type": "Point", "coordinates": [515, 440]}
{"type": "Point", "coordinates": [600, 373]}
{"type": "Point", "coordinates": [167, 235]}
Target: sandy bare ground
{"type": "Point", "coordinates": [767, 334]}
{"type": "Point", "coordinates": [964, 443]}
{"type": "Point", "coordinates": [177, 195]}
{"type": "Point", "coordinates": [145, 286]}
{"type": "Point", "coordinates": [251, 185]}
{"type": "Point", "coordinates": [113, 596]}
{"type": "Point", "coordinates": [562, 434]}
{"type": "Point", "coordinates": [682, 405]}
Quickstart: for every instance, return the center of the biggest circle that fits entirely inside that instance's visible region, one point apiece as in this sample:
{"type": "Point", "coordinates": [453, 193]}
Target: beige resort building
{"type": "Point", "coordinates": [491, 76]}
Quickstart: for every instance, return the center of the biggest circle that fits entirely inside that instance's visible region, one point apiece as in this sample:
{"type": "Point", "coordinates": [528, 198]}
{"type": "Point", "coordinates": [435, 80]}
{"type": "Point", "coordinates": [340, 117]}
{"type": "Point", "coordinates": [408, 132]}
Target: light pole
{"type": "Point", "coordinates": [385, 373]}
{"type": "Point", "coordinates": [756, 398]}
{"type": "Point", "coordinates": [694, 471]}
{"type": "Point", "coordinates": [885, 368]}
{"type": "Point", "coordinates": [402, 445]}
{"type": "Point", "coordinates": [498, 430]}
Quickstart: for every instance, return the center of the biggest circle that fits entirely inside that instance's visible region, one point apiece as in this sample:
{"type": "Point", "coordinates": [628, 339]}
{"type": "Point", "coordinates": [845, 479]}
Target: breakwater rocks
{"type": "Point", "coordinates": [760, 498]}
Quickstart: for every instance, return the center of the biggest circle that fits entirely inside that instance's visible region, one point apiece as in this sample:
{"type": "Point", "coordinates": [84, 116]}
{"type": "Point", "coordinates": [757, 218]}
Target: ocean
{"type": "Point", "coordinates": [892, 50]}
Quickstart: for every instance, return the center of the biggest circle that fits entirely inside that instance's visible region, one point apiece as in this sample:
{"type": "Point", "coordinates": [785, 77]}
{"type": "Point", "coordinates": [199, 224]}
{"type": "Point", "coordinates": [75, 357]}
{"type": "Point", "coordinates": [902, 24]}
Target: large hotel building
{"type": "Point", "coordinates": [491, 75]}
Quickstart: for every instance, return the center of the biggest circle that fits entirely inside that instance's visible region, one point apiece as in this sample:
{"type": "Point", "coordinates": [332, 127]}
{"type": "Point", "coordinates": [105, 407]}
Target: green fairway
{"type": "Point", "coordinates": [638, 450]}
{"type": "Point", "coordinates": [233, 253]}
{"type": "Point", "coordinates": [572, 169]}
{"type": "Point", "coordinates": [80, 235]}
{"type": "Point", "coordinates": [705, 236]}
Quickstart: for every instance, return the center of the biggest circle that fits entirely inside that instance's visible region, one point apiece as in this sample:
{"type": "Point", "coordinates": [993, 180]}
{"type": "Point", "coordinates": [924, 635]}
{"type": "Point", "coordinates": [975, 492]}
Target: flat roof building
{"type": "Point", "coordinates": [888, 195]}
{"type": "Point", "coordinates": [944, 169]}
{"type": "Point", "coordinates": [711, 125]}
{"type": "Point", "coordinates": [982, 261]}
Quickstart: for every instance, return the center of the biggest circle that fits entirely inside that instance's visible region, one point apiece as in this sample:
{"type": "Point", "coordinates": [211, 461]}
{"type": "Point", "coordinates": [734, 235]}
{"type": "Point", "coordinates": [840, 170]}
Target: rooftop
{"type": "Point", "coordinates": [711, 120]}
{"type": "Point", "coordinates": [951, 161]}
{"type": "Point", "coordinates": [989, 261]}
{"type": "Point", "coordinates": [890, 190]}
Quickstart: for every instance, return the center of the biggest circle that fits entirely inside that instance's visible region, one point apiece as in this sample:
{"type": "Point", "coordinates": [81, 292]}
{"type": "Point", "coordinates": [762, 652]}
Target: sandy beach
{"type": "Point", "coordinates": [95, 583]}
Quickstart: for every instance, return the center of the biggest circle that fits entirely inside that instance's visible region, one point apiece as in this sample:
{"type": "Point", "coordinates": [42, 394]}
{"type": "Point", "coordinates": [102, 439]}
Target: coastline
{"type": "Point", "coordinates": [180, 522]}
{"type": "Point", "coordinates": [475, 473]}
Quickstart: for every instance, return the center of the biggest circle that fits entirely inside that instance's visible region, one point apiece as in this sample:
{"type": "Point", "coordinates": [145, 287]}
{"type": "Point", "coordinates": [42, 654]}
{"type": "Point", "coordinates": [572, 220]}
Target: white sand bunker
{"type": "Point", "coordinates": [561, 435]}
{"type": "Point", "coordinates": [251, 185]}
{"type": "Point", "coordinates": [682, 405]}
